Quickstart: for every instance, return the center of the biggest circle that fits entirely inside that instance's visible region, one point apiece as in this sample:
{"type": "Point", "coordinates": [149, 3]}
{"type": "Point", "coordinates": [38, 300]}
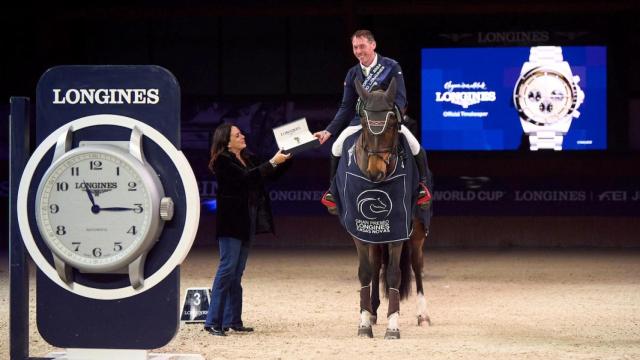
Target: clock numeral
{"type": "Point", "coordinates": [138, 208]}
{"type": "Point", "coordinates": [97, 252]}
{"type": "Point", "coordinates": [132, 186]}
{"type": "Point", "coordinates": [61, 230]}
{"type": "Point", "coordinates": [77, 246]}
{"type": "Point", "coordinates": [117, 246]}
{"type": "Point", "coordinates": [62, 186]}
{"type": "Point", "coordinates": [75, 171]}
{"type": "Point", "coordinates": [132, 230]}
{"type": "Point", "coordinates": [118, 171]}
{"type": "Point", "coordinates": [95, 165]}
{"type": "Point", "coordinates": [53, 208]}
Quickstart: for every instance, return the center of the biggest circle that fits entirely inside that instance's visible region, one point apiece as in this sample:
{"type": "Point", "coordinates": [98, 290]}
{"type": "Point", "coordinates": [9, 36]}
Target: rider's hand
{"type": "Point", "coordinates": [279, 158]}
{"type": "Point", "coordinates": [322, 136]}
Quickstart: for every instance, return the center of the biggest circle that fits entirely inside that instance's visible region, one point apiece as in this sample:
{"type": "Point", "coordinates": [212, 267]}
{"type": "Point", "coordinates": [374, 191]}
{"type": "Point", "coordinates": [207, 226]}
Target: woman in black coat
{"type": "Point", "coordinates": [243, 210]}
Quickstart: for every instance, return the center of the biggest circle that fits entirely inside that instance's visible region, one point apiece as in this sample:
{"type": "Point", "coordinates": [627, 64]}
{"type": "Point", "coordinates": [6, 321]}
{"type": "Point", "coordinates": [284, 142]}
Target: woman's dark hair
{"type": "Point", "coordinates": [221, 139]}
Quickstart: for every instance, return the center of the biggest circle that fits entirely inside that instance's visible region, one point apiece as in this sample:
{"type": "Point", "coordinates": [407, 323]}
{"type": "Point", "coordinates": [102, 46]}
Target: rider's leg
{"type": "Point", "coordinates": [414, 145]}
{"type": "Point", "coordinates": [327, 199]}
{"type": "Point", "coordinates": [420, 157]}
{"type": "Point", "coordinates": [424, 196]}
{"type": "Point", "coordinates": [336, 150]}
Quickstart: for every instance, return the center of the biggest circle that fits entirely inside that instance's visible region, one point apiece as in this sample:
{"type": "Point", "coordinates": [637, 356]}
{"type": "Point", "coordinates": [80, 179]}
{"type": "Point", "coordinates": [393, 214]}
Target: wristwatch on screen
{"type": "Point", "coordinates": [547, 97]}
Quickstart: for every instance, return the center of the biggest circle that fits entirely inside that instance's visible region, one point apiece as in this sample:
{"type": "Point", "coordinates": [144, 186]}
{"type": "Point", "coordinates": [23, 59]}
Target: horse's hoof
{"type": "Point", "coordinates": [365, 332]}
{"type": "Point", "coordinates": [392, 334]}
{"type": "Point", "coordinates": [424, 320]}
{"type": "Point", "coordinates": [373, 319]}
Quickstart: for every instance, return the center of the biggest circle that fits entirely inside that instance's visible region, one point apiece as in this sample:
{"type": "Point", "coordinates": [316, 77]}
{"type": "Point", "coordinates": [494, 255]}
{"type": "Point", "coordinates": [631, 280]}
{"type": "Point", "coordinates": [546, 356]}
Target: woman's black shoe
{"type": "Point", "coordinates": [242, 328]}
{"type": "Point", "coordinates": [213, 331]}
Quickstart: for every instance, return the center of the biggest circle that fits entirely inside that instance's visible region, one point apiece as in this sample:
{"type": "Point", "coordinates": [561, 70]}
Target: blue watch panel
{"type": "Point", "coordinates": [467, 98]}
{"type": "Point", "coordinates": [151, 95]}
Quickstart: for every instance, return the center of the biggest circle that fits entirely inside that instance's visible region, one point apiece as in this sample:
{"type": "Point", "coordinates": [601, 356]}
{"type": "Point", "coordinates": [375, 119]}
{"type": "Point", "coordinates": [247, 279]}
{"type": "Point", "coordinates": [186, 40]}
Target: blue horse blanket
{"type": "Point", "coordinates": [376, 212]}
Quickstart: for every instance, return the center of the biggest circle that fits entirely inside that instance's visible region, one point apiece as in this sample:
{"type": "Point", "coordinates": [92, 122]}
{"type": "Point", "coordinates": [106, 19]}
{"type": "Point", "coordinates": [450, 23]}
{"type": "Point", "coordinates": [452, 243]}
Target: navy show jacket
{"type": "Point", "coordinates": [346, 114]}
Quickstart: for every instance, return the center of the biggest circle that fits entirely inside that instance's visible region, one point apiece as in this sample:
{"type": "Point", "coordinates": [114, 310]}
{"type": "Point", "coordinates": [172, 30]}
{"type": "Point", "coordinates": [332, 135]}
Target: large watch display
{"type": "Point", "coordinates": [547, 97]}
{"type": "Point", "coordinates": [100, 207]}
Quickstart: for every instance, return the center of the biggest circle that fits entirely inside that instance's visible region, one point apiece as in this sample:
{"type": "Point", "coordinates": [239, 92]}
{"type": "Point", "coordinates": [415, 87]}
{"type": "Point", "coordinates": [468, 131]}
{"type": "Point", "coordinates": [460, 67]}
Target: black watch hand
{"type": "Point", "coordinates": [116, 209]}
{"type": "Point", "coordinates": [86, 188]}
{"type": "Point", "coordinates": [94, 208]}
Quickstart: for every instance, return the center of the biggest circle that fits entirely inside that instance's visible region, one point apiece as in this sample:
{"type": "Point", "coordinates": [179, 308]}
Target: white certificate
{"type": "Point", "coordinates": [295, 137]}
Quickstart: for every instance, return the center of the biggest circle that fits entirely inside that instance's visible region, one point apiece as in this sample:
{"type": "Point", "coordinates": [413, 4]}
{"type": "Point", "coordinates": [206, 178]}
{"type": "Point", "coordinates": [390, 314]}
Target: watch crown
{"type": "Point", "coordinates": [576, 79]}
{"type": "Point", "coordinates": [166, 208]}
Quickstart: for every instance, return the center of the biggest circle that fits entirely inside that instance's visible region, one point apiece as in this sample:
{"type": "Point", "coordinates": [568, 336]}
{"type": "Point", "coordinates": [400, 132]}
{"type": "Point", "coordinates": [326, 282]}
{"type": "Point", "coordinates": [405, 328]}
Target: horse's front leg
{"type": "Point", "coordinates": [393, 292]}
{"type": "Point", "coordinates": [375, 257]}
{"type": "Point", "coordinates": [417, 263]}
{"type": "Point", "coordinates": [364, 275]}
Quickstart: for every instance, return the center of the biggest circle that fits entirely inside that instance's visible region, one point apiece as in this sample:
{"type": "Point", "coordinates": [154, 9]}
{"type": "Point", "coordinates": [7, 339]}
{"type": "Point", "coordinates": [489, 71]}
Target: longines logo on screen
{"type": "Point", "coordinates": [507, 37]}
{"type": "Point", "coordinates": [106, 96]}
{"type": "Point", "coordinates": [465, 98]}
{"type": "Point", "coordinates": [513, 37]}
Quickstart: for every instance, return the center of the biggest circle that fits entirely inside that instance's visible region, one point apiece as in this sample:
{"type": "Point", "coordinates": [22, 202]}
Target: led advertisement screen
{"type": "Point", "coordinates": [514, 98]}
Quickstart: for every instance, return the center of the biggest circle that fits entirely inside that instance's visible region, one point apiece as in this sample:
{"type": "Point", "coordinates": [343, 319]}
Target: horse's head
{"type": "Point", "coordinates": [376, 150]}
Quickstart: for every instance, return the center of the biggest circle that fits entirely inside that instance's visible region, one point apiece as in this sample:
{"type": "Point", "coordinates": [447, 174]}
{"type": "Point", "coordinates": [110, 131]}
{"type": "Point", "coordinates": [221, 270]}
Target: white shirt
{"type": "Point", "coordinates": [366, 69]}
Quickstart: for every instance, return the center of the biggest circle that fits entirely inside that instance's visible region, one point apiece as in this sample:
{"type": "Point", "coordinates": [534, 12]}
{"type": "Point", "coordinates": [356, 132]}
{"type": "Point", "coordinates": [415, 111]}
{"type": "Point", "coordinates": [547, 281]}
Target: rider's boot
{"type": "Point", "coordinates": [424, 195]}
{"type": "Point", "coordinates": [327, 199]}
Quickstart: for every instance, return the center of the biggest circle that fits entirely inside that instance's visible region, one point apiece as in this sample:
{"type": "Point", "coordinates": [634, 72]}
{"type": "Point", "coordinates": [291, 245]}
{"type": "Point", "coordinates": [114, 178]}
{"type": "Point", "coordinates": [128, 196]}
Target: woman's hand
{"type": "Point", "coordinates": [279, 158]}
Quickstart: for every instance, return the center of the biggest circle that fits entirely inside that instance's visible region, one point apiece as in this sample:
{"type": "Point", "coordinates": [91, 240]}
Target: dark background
{"type": "Point", "coordinates": [282, 60]}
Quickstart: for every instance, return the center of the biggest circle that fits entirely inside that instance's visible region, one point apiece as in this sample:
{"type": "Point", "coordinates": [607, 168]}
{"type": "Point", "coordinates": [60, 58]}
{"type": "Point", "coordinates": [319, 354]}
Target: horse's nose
{"type": "Point", "coordinates": [375, 176]}
{"type": "Point", "coordinates": [376, 169]}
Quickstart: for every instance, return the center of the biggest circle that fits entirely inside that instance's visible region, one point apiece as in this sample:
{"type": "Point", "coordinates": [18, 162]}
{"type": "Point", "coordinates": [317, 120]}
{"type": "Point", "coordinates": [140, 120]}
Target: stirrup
{"type": "Point", "coordinates": [330, 202]}
{"type": "Point", "coordinates": [424, 196]}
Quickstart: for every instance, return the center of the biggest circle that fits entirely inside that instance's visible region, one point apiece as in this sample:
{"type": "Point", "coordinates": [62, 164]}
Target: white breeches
{"type": "Point", "coordinates": [336, 149]}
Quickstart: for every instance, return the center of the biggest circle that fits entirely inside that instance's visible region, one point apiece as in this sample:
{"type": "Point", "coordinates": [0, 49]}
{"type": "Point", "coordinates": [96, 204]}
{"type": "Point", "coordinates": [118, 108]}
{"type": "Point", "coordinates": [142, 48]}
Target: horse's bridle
{"type": "Point", "coordinates": [391, 150]}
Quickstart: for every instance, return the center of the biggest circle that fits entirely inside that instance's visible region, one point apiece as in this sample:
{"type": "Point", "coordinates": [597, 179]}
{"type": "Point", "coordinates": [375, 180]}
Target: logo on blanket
{"type": "Point", "coordinates": [375, 206]}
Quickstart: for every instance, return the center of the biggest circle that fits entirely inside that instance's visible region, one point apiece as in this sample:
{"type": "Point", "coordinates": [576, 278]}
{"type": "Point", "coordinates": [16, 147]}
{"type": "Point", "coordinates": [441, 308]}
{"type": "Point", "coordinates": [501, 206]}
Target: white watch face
{"type": "Point", "coordinates": [94, 208]}
{"type": "Point", "coordinates": [544, 97]}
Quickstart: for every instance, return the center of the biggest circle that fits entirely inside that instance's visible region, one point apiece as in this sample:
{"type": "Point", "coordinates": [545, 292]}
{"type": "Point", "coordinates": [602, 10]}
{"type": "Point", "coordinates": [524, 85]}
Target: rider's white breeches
{"type": "Point", "coordinates": [336, 149]}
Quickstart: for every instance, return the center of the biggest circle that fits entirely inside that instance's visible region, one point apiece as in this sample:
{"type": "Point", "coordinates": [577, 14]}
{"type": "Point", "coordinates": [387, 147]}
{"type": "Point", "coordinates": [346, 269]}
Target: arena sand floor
{"type": "Point", "coordinates": [484, 304]}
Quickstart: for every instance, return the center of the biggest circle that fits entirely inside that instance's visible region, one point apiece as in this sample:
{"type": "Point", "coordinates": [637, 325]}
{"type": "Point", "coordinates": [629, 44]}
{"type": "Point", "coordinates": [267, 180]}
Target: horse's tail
{"type": "Point", "coordinates": [405, 271]}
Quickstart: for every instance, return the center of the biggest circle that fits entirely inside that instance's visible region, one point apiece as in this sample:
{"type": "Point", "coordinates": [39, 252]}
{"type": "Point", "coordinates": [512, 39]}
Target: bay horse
{"type": "Point", "coordinates": [376, 155]}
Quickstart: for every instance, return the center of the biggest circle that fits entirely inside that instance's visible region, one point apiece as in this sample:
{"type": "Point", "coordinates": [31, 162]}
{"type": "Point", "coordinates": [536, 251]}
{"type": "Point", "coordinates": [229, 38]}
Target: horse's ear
{"type": "Point", "coordinates": [390, 94]}
{"type": "Point", "coordinates": [362, 92]}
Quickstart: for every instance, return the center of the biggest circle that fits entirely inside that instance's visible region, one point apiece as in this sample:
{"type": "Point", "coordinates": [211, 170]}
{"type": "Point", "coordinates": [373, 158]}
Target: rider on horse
{"type": "Point", "coordinates": [373, 192]}
{"type": "Point", "coordinates": [373, 71]}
